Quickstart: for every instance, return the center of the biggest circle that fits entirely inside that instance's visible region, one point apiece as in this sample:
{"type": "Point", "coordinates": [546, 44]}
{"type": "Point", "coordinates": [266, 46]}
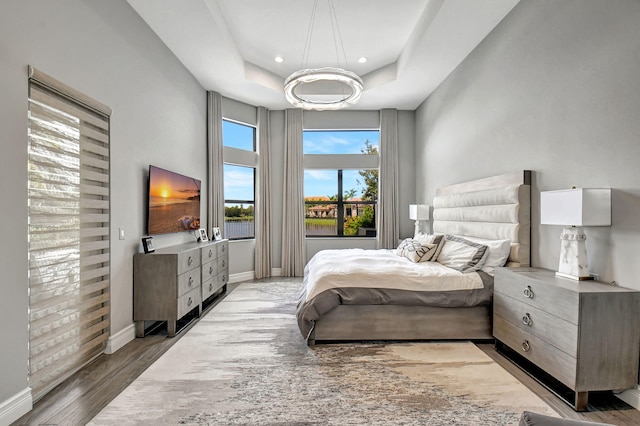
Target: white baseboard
{"type": "Point", "coordinates": [631, 397]}
{"type": "Point", "coordinates": [276, 272]}
{"type": "Point", "coordinates": [251, 275]}
{"type": "Point", "coordinates": [242, 276]}
{"type": "Point", "coordinates": [120, 339]}
{"type": "Point", "coordinates": [15, 407]}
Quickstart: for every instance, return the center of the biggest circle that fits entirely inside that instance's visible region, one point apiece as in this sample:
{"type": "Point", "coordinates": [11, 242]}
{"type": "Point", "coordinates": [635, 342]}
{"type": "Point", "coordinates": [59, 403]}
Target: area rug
{"type": "Point", "coordinates": [245, 363]}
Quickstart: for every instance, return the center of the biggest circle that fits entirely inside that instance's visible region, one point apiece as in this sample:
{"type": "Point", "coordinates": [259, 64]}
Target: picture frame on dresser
{"type": "Point", "coordinates": [216, 234]}
{"type": "Point", "coordinates": [147, 244]}
{"type": "Point", "coordinates": [202, 235]}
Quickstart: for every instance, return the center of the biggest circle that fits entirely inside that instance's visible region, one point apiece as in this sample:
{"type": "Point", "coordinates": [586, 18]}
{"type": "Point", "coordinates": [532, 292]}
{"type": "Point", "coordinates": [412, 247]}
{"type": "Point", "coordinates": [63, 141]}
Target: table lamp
{"type": "Point", "coordinates": [575, 208]}
{"type": "Point", "coordinates": [418, 212]}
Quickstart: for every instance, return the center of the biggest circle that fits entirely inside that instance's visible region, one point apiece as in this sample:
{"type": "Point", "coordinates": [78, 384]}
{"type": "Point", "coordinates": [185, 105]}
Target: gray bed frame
{"type": "Point", "coordinates": [397, 322]}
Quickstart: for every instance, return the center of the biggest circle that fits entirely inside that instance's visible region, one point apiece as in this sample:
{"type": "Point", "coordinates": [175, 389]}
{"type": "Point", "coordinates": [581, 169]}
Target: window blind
{"type": "Point", "coordinates": [68, 233]}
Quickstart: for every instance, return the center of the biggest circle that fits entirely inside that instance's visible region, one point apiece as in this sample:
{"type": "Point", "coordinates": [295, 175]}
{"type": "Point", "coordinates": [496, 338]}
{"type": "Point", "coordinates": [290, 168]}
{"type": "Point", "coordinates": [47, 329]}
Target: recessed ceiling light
{"type": "Point", "coordinates": [362, 60]}
{"type": "Point", "coordinates": [278, 59]}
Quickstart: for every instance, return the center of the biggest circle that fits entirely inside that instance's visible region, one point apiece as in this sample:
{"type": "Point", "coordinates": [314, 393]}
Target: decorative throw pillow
{"type": "Point", "coordinates": [461, 254]}
{"type": "Point", "coordinates": [499, 251]}
{"type": "Point", "coordinates": [416, 251]}
{"type": "Point", "coordinates": [431, 239]}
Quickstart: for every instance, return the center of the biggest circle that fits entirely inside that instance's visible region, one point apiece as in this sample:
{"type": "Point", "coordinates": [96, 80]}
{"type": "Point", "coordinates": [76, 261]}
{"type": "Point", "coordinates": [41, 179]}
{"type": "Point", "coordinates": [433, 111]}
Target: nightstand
{"type": "Point", "coordinates": [584, 334]}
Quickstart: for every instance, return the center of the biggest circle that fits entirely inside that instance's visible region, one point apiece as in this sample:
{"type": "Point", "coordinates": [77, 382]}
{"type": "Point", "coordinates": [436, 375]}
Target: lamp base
{"type": "Point", "coordinates": [573, 277]}
{"type": "Point", "coordinates": [574, 263]}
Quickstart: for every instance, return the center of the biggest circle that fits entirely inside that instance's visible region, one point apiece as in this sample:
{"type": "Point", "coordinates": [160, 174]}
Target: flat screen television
{"type": "Point", "coordinates": [174, 202]}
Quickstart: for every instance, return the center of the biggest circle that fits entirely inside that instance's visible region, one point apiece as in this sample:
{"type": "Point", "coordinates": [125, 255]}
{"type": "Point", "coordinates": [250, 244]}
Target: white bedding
{"type": "Point", "coordinates": [381, 269]}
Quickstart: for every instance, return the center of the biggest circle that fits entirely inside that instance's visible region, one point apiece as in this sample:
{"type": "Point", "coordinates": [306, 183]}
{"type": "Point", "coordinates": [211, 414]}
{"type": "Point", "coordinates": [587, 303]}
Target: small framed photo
{"type": "Point", "coordinates": [147, 244]}
{"type": "Point", "coordinates": [203, 234]}
{"type": "Point", "coordinates": [216, 234]}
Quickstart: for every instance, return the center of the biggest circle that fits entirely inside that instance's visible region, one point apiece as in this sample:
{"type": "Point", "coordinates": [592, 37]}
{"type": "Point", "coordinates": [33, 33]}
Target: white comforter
{"type": "Point", "coordinates": [381, 269]}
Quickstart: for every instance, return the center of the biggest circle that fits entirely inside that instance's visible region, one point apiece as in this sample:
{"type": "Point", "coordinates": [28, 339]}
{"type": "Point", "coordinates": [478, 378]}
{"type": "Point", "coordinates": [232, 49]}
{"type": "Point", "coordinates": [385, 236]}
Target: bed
{"type": "Point", "coordinates": [364, 295]}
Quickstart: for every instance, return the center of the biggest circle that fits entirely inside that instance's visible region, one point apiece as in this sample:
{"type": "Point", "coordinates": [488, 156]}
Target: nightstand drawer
{"type": "Point", "coordinates": [549, 358]}
{"type": "Point", "coordinates": [557, 332]}
{"type": "Point", "coordinates": [526, 288]}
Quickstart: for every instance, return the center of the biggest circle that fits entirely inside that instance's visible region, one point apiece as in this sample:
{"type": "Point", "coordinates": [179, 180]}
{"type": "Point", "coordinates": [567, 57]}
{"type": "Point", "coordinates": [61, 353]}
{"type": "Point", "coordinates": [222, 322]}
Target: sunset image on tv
{"type": "Point", "coordinates": [174, 202]}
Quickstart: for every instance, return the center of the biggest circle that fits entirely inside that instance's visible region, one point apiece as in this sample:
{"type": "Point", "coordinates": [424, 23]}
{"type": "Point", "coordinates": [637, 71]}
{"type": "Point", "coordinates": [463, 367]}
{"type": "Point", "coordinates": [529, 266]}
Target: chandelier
{"type": "Point", "coordinates": [327, 88]}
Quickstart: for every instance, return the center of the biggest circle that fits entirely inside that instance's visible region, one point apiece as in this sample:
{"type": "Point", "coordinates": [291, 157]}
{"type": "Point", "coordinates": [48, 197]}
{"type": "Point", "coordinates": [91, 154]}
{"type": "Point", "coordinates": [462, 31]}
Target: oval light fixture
{"type": "Point", "coordinates": [294, 84]}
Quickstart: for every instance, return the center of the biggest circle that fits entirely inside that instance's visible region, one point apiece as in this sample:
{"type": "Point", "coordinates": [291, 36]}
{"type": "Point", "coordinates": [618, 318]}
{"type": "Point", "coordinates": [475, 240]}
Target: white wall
{"type": "Point", "coordinates": [104, 49]}
{"type": "Point", "coordinates": [555, 89]}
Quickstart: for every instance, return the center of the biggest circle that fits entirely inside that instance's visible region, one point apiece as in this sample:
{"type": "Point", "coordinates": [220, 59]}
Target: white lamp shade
{"type": "Point", "coordinates": [576, 207]}
{"type": "Point", "coordinates": [419, 211]}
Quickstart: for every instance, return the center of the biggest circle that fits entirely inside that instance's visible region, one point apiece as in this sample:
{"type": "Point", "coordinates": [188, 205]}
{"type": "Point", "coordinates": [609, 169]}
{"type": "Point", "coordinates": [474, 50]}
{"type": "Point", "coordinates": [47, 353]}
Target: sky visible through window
{"type": "Point", "coordinates": [318, 183]}
{"type": "Point", "coordinates": [236, 135]}
{"type": "Point", "coordinates": [238, 182]}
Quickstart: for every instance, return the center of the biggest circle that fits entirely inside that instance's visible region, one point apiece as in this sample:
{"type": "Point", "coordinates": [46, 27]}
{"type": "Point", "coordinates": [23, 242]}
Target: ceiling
{"type": "Point", "coordinates": [411, 46]}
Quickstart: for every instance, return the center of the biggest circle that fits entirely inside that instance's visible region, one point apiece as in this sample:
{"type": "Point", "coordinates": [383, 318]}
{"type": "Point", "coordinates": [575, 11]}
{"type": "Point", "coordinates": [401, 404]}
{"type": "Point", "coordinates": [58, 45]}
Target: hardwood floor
{"type": "Point", "coordinates": [81, 397]}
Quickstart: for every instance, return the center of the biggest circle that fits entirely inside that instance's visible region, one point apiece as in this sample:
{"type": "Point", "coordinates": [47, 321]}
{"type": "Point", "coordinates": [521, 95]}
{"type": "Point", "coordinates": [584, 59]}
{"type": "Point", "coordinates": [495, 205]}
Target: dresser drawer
{"type": "Point", "coordinates": [209, 270]}
{"type": "Point", "coordinates": [223, 248]}
{"type": "Point", "coordinates": [188, 260]}
{"type": "Point", "coordinates": [551, 329]}
{"type": "Point", "coordinates": [188, 301]}
{"type": "Point", "coordinates": [188, 281]}
{"type": "Point", "coordinates": [223, 263]}
{"type": "Point", "coordinates": [556, 300]}
{"type": "Point", "coordinates": [223, 277]}
{"type": "Point", "coordinates": [210, 287]}
{"type": "Point", "coordinates": [209, 253]}
{"type": "Point", "coordinates": [551, 359]}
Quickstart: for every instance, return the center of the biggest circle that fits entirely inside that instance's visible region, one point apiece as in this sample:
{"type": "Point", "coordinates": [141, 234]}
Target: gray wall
{"type": "Point", "coordinates": [555, 89]}
{"type": "Point", "coordinates": [104, 49]}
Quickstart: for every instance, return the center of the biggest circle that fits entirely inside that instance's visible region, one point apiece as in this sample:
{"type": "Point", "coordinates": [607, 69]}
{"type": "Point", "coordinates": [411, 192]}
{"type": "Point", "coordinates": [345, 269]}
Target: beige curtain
{"type": "Point", "coordinates": [388, 226]}
{"type": "Point", "coordinates": [293, 226]}
{"type": "Point", "coordinates": [215, 200]}
{"type": "Point", "coordinates": [263, 198]}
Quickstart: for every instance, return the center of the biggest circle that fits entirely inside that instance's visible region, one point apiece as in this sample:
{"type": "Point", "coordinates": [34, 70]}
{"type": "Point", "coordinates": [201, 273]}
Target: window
{"type": "Point", "coordinates": [344, 210]}
{"type": "Point", "coordinates": [341, 201]}
{"type": "Point", "coordinates": [68, 233]}
{"type": "Point", "coordinates": [339, 141]}
{"type": "Point", "coordinates": [239, 136]}
{"type": "Point", "coordinates": [239, 180]}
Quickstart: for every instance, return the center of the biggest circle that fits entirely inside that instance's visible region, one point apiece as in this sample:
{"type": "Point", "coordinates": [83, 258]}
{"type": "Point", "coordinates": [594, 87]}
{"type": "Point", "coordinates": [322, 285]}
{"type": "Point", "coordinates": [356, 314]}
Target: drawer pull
{"type": "Point", "coordinates": [210, 286]}
{"type": "Point", "coordinates": [224, 263]}
{"type": "Point", "coordinates": [189, 261]}
{"type": "Point", "coordinates": [526, 320]}
{"type": "Point", "coordinates": [210, 253]}
{"type": "Point", "coordinates": [224, 278]}
{"type": "Point", "coordinates": [190, 302]}
{"type": "Point", "coordinates": [224, 248]}
{"type": "Point", "coordinates": [528, 292]}
{"type": "Point", "coordinates": [526, 346]}
{"type": "Point", "coordinates": [190, 281]}
{"type": "Point", "coordinates": [210, 270]}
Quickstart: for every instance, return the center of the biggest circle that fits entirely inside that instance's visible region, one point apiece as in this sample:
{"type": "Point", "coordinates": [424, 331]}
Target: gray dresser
{"type": "Point", "coordinates": [585, 334]}
{"type": "Point", "coordinates": [174, 281]}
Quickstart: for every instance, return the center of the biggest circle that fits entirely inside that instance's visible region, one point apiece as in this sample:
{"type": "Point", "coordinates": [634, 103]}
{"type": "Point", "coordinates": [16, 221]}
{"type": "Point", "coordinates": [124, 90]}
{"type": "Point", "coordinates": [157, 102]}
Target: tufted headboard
{"type": "Point", "coordinates": [497, 207]}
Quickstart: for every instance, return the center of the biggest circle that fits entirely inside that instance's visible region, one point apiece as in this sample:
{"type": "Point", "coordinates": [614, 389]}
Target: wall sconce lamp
{"type": "Point", "coordinates": [575, 208]}
{"type": "Point", "coordinates": [418, 212]}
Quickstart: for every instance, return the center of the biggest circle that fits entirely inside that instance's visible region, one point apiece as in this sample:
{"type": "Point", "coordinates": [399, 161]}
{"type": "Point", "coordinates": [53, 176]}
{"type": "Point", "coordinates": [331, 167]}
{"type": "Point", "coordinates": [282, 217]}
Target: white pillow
{"type": "Point", "coordinates": [499, 251]}
{"type": "Point", "coordinates": [461, 254]}
{"type": "Point", "coordinates": [416, 251]}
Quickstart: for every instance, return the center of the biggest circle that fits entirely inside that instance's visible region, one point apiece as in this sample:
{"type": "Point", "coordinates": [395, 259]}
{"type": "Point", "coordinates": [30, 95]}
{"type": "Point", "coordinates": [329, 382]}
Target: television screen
{"type": "Point", "coordinates": [174, 202]}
